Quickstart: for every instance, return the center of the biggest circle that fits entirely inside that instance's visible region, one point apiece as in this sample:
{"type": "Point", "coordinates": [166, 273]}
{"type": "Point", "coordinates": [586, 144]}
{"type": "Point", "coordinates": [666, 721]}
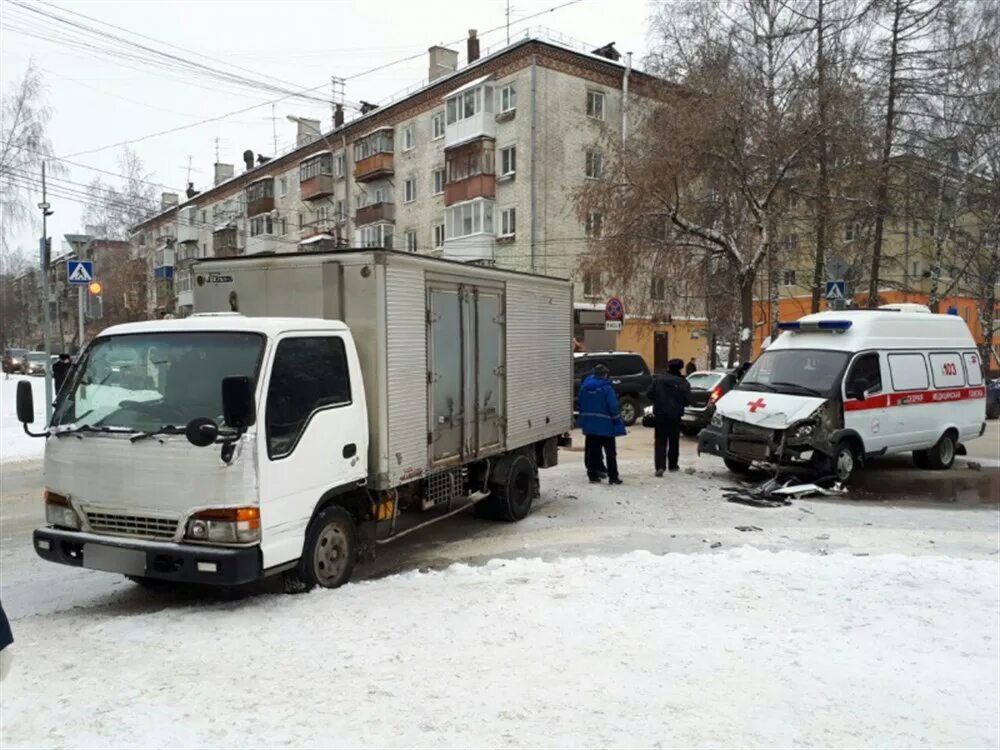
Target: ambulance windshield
{"type": "Point", "coordinates": [807, 372]}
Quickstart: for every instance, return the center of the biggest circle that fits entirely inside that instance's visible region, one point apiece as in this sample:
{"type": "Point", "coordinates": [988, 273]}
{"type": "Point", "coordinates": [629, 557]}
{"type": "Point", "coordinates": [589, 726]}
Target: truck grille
{"type": "Point", "coordinates": [144, 527]}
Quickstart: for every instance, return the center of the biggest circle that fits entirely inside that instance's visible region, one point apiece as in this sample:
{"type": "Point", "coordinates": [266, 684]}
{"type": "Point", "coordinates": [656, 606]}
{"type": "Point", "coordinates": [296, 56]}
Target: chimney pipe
{"type": "Point", "coordinates": [442, 62]}
{"type": "Point", "coordinates": [307, 131]}
{"type": "Point", "coordinates": [472, 46]}
{"type": "Point", "coordinates": [248, 159]}
{"type": "Point", "coordinates": [338, 115]}
{"type": "Point", "coordinates": [223, 172]}
{"type": "Point", "coordinates": [167, 200]}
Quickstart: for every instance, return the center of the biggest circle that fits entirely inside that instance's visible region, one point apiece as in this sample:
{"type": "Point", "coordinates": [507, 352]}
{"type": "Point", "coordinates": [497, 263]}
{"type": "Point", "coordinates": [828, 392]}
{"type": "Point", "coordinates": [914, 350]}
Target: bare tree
{"type": "Point", "coordinates": [24, 146]}
{"type": "Point", "coordinates": [113, 209]}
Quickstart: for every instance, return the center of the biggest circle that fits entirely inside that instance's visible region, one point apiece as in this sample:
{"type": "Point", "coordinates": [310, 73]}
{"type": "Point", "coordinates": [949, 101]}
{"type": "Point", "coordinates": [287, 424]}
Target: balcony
{"type": "Point", "coordinates": [226, 242]}
{"type": "Point", "coordinates": [319, 186]}
{"type": "Point", "coordinates": [479, 186]}
{"type": "Point", "coordinates": [469, 113]}
{"type": "Point", "coordinates": [473, 249]}
{"type": "Point", "coordinates": [373, 167]}
{"type": "Point", "coordinates": [370, 214]}
{"type": "Point", "coordinates": [262, 243]}
{"type": "Point", "coordinates": [187, 225]}
{"type": "Point", "coordinates": [469, 231]}
{"type": "Point", "coordinates": [260, 196]}
{"type": "Point", "coordinates": [470, 171]}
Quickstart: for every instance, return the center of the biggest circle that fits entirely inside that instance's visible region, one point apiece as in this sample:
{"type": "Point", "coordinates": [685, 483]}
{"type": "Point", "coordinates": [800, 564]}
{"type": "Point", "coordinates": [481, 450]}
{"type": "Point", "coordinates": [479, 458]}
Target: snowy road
{"type": "Point", "coordinates": [839, 623]}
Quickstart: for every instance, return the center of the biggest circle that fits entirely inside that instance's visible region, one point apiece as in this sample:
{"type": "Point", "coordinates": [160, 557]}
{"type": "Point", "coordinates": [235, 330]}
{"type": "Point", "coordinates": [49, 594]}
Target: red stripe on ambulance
{"type": "Point", "coordinates": [916, 397]}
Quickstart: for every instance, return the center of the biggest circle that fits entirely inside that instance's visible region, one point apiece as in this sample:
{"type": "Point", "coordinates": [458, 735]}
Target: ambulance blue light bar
{"type": "Point", "coordinates": [838, 326]}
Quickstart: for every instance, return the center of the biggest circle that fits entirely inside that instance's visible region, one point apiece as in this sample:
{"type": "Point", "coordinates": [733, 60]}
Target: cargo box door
{"type": "Point", "coordinates": [489, 371]}
{"type": "Point", "coordinates": [445, 386]}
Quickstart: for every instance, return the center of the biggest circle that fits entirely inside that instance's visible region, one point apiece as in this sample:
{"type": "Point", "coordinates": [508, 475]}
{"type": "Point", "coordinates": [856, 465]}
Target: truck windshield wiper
{"type": "Point", "coordinates": [167, 429]}
{"type": "Point", "coordinates": [89, 428]}
{"type": "Point", "coordinates": [807, 389]}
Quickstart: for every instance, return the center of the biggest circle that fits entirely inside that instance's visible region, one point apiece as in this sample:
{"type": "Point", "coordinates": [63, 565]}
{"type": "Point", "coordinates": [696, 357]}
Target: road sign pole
{"type": "Point", "coordinates": [79, 318]}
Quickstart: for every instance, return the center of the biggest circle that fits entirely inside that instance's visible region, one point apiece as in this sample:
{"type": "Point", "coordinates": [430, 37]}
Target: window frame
{"type": "Point", "coordinates": [434, 180]}
{"type": "Point", "coordinates": [593, 226]}
{"type": "Point", "coordinates": [593, 95]}
{"type": "Point", "coordinates": [509, 213]}
{"type": "Point", "coordinates": [960, 374]}
{"type": "Point", "coordinates": [658, 289]}
{"type": "Point", "coordinates": [892, 374]}
{"type": "Point", "coordinates": [436, 118]}
{"type": "Point", "coordinates": [439, 232]}
{"type": "Point", "coordinates": [409, 142]}
{"type": "Point", "coordinates": [408, 235]}
{"type": "Point", "coordinates": [316, 410]}
{"type": "Point", "coordinates": [592, 279]}
{"type": "Point", "coordinates": [788, 277]}
{"type": "Point", "coordinates": [409, 190]}
{"type": "Point", "coordinates": [848, 377]}
{"type": "Point", "coordinates": [593, 168]}
{"type": "Point", "coordinates": [508, 93]}
{"type": "Point", "coordinates": [508, 152]}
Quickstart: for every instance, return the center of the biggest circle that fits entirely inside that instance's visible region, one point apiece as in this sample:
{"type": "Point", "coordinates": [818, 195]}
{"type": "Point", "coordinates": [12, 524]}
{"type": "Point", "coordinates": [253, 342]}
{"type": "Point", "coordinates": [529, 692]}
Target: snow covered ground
{"type": "Point", "coordinates": [743, 648]}
{"type": "Point", "coordinates": [14, 444]}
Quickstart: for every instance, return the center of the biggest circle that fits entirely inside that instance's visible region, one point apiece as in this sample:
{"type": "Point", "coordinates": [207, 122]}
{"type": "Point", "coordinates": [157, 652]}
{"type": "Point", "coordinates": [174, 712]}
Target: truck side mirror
{"type": "Point", "coordinates": [25, 403]}
{"type": "Point", "coordinates": [237, 402]}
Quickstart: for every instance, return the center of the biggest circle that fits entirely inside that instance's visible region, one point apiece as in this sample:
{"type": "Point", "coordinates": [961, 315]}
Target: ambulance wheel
{"type": "Point", "coordinates": [737, 467]}
{"type": "Point", "coordinates": [329, 552]}
{"type": "Point", "coordinates": [942, 455]}
{"type": "Point", "coordinates": [844, 461]}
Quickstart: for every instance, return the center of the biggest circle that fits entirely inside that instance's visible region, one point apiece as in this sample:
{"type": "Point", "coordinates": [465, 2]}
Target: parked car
{"type": "Point", "coordinates": [14, 359]}
{"type": "Point", "coordinates": [707, 387]}
{"type": "Point", "coordinates": [993, 399]}
{"type": "Point", "coordinates": [35, 363]}
{"type": "Point", "coordinates": [630, 377]}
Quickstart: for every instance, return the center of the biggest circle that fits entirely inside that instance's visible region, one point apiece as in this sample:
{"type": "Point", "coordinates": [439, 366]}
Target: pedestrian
{"type": "Point", "coordinates": [692, 367]}
{"type": "Point", "coordinates": [669, 395]}
{"type": "Point", "coordinates": [61, 369]}
{"type": "Point", "coordinates": [6, 641]}
{"type": "Point", "coordinates": [601, 423]}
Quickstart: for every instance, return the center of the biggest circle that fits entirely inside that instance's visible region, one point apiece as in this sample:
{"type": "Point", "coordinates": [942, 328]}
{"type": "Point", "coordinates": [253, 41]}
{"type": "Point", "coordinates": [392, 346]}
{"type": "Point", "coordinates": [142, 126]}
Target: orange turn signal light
{"type": "Point", "coordinates": [250, 515]}
{"type": "Point", "coordinates": [54, 498]}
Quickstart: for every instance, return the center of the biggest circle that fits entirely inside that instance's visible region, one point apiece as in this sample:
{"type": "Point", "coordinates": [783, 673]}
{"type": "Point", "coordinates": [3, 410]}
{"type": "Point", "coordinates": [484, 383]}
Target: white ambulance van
{"type": "Point", "coordinates": [837, 388]}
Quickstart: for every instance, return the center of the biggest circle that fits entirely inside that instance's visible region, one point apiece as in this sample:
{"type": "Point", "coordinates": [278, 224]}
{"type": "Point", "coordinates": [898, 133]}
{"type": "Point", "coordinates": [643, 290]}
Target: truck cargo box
{"type": "Point", "coordinates": [460, 362]}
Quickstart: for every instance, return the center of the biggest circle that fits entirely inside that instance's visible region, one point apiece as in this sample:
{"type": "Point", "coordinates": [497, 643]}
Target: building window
{"type": "Point", "coordinates": [508, 98]}
{"type": "Point", "coordinates": [591, 284]}
{"type": "Point", "coordinates": [508, 222]}
{"type": "Point", "coordinates": [464, 163]}
{"type": "Point", "coordinates": [338, 165]}
{"type": "Point", "coordinates": [339, 208]}
{"type": "Point", "coordinates": [282, 226]}
{"type": "Point", "coordinates": [411, 241]}
{"type": "Point", "coordinates": [204, 218]}
{"type": "Point", "coordinates": [595, 165]}
{"type": "Point", "coordinates": [852, 232]}
{"type": "Point", "coordinates": [658, 289]}
{"type": "Point", "coordinates": [260, 189]}
{"type": "Point", "coordinates": [300, 221]}
{"type": "Point", "coordinates": [261, 225]}
{"type": "Point", "coordinates": [437, 125]}
{"type": "Point", "coordinates": [379, 142]}
{"type": "Point", "coordinates": [472, 217]}
{"type": "Point", "coordinates": [283, 182]}
{"type": "Point", "coordinates": [313, 167]}
{"type": "Point", "coordinates": [376, 235]}
{"type": "Point", "coordinates": [204, 250]}
{"type": "Point", "coordinates": [468, 104]}
{"type": "Point", "coordinates": [788, 278]}
{"type": "Point", "coordinates": [916, 228]}
{"type": "Point", "coordinates": [439, 235]}
{"type": "Point", "coordinates": [438, 181]}
{"type": "Point", "coordinates": [595, 225]}
{"type": "Point", "coordinates": [408, 138]}
{"type": "Point", "coordinates": [791, 241]}
{"type": "Point", "coordinates": [915, 269]}
{"type": "Point", "coordinates": [595, 105]}
{"type": "Point", "coordinates": [508, 160]}
{"type": "Point", "coordinates": [409, 190]}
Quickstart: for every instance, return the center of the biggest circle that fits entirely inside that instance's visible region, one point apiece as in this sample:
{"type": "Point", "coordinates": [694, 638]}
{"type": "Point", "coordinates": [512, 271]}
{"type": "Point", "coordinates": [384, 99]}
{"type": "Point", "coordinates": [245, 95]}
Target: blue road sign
{"type": "Point", "coordinates": [836, 289]}
{"type": "Point", "coordinates": [80, 272]}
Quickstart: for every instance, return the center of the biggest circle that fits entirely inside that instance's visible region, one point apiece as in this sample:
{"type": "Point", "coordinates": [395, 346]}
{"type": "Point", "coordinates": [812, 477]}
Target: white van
{"type": "Point", "coordinates": [836, 388]}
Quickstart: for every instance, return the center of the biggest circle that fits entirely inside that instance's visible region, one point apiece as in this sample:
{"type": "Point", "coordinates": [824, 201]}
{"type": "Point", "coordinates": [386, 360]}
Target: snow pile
{"type": "Point", "coordinates": [736, 649]}
{"type": "Point", "coordinates": [14, 444]}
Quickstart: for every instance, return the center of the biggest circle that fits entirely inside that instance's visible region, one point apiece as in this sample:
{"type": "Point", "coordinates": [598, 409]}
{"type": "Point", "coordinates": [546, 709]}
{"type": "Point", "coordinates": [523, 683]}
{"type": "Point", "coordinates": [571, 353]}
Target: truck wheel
{"type": "Point", "coordinates": [511, 491]}
{"type": "Point", "coordinates": [844, 461]}
{"type": "Point", "coordinates": [942, 455]}
{"type": "Point", "coordinates": [629, 410]}
{"type": "Point", "coordinates": [737, 467]}
{"type": "Point", "coordinates": [920, 459]}
{"type": "Point", "coordinates": [329, 552]}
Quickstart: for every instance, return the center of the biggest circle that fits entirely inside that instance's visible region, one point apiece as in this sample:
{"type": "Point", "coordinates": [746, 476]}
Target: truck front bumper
{"type": "Point", "coordinates": [180, 563]}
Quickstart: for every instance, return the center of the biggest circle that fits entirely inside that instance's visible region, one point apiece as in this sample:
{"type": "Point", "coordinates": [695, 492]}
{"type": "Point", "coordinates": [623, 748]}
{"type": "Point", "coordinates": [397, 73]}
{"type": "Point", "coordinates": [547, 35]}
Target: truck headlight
{"type": "Point", "coordinates": [59, 512]}
{"type": "Point", "coordinates": [716, 420]}
{"type": "Point", "coordinates": [803, 431]}
{"type": "Point", "coordinates": [225, 526]}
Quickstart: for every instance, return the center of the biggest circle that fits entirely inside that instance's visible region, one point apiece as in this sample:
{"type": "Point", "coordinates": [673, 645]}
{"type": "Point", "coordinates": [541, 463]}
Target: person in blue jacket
{"type": "Point", "coordinates": [601, 423]}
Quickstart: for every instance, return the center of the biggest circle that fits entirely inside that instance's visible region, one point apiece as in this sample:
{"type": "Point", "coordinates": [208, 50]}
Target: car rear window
{"type": "Point", "coordinates": [623, 366]}
{"type": "Point", "coordinates": [705, 381]}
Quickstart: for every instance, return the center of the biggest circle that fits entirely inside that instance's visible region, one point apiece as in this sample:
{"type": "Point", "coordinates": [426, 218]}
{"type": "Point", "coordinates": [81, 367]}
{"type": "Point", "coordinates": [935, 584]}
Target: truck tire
{"type": "Point", "coordinates": [844, 461]}
{"type": "Point", "coordinates": [737, 467]}
{"type": "Point", "coordinates": [920, 459]}
{"type": "Point", "coordinates": [942, 455]}
{"type": "Point", "coordinates": [511, 490]}
{"type": "Point", "coordinates": [329, 552]}
{"type": "Point", "coordinates": [629, 409]}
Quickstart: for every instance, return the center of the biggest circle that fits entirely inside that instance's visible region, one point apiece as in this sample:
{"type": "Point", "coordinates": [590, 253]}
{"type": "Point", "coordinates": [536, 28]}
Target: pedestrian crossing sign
{"type": "Point", "coordinates": [80, 272]}
{"type": "Point", "coordinates": [836, 290]}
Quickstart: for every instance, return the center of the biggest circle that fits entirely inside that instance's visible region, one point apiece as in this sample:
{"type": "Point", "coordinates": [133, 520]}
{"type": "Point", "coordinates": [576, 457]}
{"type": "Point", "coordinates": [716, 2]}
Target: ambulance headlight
{"type": "Point", "coordinates": [716, 420]}
{"type": "Point", "coordinates": [803, 431]}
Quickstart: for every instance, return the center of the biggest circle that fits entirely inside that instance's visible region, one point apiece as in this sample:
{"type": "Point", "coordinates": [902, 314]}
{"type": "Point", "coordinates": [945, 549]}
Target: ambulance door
{"type": "Point", "coordinates": [866, 401]}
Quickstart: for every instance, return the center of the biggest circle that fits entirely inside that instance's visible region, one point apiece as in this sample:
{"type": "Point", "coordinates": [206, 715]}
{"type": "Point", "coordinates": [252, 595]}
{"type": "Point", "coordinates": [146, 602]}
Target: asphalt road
{"type": "Point", "coordinates": [892, 507]}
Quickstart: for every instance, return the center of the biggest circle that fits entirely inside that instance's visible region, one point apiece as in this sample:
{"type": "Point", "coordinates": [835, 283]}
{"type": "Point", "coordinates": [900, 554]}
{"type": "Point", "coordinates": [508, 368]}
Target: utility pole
{"type": "Point", "coordinates": [46, 312]}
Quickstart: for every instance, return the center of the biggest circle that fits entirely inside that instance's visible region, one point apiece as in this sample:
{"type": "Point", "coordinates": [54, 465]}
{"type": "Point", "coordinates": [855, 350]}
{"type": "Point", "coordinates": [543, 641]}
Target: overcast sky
{"type": "Point", "coordinates": [100, 101]}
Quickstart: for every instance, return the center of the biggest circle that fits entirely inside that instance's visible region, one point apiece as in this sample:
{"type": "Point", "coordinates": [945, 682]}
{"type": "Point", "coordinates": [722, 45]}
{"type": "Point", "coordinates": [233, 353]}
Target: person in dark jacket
{"type": "Point", "coordinates": [669, 394]}
{"type": "Point", "coordinates": [601, 423]}
{"type": "Point", "coordinates": [6, 639]}
{"type": "Point", "coordinates": [692, 367]}
{"type": "Point", "coordinates": [60, 370]}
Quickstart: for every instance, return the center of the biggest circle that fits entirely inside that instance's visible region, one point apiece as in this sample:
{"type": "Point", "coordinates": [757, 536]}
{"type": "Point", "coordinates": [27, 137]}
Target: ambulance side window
{"type": "Point", "coordinates": [909, 372]}
{"type": "Point", "coordinates": [865, 373]}
{"type": "Point", "coordinates": [973, 369]}
{"type": "Point", "coordinates": [947, 369]}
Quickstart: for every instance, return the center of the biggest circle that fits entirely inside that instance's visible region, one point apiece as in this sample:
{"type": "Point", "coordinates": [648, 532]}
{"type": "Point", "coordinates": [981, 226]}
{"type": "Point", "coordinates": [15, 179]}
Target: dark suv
{"type": "Point", "coordinates": [629, 375]}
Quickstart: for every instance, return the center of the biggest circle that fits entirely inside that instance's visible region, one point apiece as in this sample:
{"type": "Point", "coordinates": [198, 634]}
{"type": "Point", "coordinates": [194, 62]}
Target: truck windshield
{"type": "Point", "coordinates": [808, 372]}
{"type": "Point", "coordinates": [144, 382]}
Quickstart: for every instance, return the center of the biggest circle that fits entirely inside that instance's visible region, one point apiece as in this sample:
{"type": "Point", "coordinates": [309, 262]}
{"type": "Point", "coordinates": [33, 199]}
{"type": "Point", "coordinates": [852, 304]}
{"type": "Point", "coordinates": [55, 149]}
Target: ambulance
{"type": "Point", "coordinates": [836, 389]}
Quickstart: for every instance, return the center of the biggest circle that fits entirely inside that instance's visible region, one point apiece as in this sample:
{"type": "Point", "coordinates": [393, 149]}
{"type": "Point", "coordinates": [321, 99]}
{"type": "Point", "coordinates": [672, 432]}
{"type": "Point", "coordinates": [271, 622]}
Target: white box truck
{"type": "Point", "coordinates": [315, 406]}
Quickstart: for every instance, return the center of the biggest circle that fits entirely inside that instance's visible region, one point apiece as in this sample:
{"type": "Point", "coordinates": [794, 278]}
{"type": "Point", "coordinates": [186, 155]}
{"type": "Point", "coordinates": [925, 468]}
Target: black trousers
{"type": "Point", "coordinates": [600, 451]}
{"type": "Point", "coordinates": [668, 436]}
